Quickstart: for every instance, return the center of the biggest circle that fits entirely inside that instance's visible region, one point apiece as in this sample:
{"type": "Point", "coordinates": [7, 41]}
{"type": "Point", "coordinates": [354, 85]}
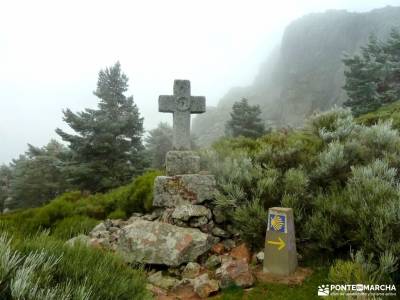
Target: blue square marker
{"type": "Point", "coordinates": [277, 223]}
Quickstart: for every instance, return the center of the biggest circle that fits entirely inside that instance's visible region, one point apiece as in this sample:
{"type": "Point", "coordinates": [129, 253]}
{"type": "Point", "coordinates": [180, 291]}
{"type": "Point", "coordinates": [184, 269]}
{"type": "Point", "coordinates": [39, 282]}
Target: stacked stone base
{"type": "Point", "coordinates": [184, 232]}
{"type": "Point", "coordinates": [185, 194]}
{"type": "Point", "coordinates": [172, 191]}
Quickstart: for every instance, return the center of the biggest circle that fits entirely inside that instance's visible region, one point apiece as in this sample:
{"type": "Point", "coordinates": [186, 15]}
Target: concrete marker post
{"type": "Point", "coordinates": [280, 256]}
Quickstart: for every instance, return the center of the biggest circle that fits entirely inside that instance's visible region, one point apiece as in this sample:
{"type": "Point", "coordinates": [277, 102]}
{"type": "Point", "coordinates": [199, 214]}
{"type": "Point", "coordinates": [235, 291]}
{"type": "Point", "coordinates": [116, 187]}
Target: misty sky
{"type": "Point", "coordinates": [51, 53]}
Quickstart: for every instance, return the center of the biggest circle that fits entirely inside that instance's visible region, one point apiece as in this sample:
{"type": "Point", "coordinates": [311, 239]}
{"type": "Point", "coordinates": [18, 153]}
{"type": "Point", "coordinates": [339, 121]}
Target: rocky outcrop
{"type": "Point", "coordinates": [165, 282]}
{"type": "Point", "coordinates": [192, 270]}
{"type": "Point", "coordinates": [186, 211]}
{"type": "Point", "coordinates": [161, 243]}
{"type": "Point", "coordinates": [205, 278]}
{"type": "Point", "coordinates": [241, 252]}
{"type": "Point", "coordinates": [204, 286]}
{"type": "Point", "coordinates": [233, 271]}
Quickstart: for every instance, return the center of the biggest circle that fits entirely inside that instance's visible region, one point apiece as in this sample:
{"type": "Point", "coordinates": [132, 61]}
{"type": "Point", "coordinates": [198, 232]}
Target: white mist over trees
{"type": "Point", "coordinates": [305, 73]}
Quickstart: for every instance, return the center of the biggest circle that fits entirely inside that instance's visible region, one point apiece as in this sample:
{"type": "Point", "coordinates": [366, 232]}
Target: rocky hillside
{"type": "Point", "coordinates": [305, 73]}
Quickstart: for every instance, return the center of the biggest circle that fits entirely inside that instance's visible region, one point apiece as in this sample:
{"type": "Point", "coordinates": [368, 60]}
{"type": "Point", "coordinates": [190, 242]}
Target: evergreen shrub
{"type": "Point", "coordinates": [340, 176]}
{"type": "Point", "coordinates": [41, 267]}
{"type": "Point", "coordinates": [58, 216]}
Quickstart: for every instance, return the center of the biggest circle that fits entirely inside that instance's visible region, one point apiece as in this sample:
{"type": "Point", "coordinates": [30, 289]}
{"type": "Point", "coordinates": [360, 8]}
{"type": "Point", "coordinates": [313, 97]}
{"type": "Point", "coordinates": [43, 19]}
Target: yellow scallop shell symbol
{"type": "Point", "coordinates": [277, 223]}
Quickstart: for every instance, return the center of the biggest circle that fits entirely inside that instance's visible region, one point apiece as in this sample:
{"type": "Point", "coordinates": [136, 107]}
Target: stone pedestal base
{"type": "Point", "coordinates": [172, 191]}
{"type": "Point", "coordinates": [296, 278]}
{"type": "Point", "coordinates": [182, 162]}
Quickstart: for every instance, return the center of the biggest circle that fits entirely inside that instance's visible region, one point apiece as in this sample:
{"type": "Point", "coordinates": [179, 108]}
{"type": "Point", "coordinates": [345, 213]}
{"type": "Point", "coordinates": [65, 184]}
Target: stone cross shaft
{"type": "Point", "coordinates": [181, 104]}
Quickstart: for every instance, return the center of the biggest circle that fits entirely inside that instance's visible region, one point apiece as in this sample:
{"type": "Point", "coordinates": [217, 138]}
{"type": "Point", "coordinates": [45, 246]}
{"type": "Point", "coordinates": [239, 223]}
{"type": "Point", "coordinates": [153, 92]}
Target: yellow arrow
{"type": "Point", "coordinates": [280, 243]}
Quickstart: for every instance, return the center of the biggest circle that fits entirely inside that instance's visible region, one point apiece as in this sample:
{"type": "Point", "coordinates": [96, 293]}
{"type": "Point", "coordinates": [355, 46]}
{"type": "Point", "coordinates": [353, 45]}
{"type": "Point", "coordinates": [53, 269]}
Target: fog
{"type": "Point", "coordinates": [51, 53]}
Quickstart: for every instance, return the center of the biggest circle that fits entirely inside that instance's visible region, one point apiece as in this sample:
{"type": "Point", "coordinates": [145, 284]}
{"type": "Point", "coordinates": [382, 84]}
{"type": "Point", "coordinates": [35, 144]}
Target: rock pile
{"type": "Point", "coordinates": [201, 257]}
{"type": "Point", "coordinates": [185, 232]}
{"type": "Point", "coordinates": [202, 280]}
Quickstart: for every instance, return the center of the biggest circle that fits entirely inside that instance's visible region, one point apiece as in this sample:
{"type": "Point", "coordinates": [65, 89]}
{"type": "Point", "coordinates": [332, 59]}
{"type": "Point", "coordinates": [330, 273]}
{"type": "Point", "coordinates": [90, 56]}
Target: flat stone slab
{"type": "Point", "coordinates": [186, 211]}
{"type": "Point", "coordinates": [182, 162]}
{"type": "Point", "coordinates": [296, 278]}
{"type": "Point", "coordinates": [173, 191]}
{"type": "Point", "coordinates": [161, 243]}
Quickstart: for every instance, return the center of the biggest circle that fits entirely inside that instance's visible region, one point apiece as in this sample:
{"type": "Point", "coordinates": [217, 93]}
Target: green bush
{"type": "Point", "coordinates": [386, 112]}
{"type": "Point", "coordinates": [340, 176]}
{"type": "Point", "coordinates": [360, 269]}
{"type": "Point", "coordinates": [364, 214]}
{"type": "Point", "coordinates": [118, 203]}
{"type": "Point", "coordinates": [41, 267]}
{"type": "Point", "coordinates": [347, 272]}
{"type": "Point", "coordinates": [251, 220]}
{"type": "Point", "coordinates": [73, 226]}
{"type": "Point", "coordinates": [296, 182]}
{"type": "Point", "coordinates": [31, 276]}
{"type": "Point", "coordinates": [140, 198]}
{"type": "Point", "coordinates": [287, 149]}
{"type": "Point", "coordinates": [117, 214]}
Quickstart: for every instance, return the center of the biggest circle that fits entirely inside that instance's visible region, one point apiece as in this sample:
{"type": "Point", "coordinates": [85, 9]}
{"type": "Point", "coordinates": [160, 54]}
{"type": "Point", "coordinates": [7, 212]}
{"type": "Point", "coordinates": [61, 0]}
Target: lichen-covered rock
{"type": "Point", "coordinates": [198, 221]}
{"type": "Point", "coordinates": [235, 272]}
{"type": "Point", "coordinates": [99, 227]}
{"type": "Point", "coordinates": [102, 243]}
{"type": "Point", "coordinates": [156, 291]}
{"type": "Point", "coordinates": [80, 239]}
{"type": "Point", "coordinates": [213, 262]}
{"type": "Point", "coordinates": [218, 248]}
{"type": "Point", "coordinates": [220, 232]}
{"type": "Point", "coordinates": [182, 162]}
{"type": "Point", "coordinates": [207, 228]}
{"type": "Point", "coordinates": [229, 244]}
{"type": "Point", "coordinates": [160, 243]}
{"type": "Point", "coordinates": [105, 234]}
{"type": "Point", "coordinates": [154, 215]}
{"type": "Point", "coordinates": [192, 270]}
{"type": "Point", "coordinates": [186, 211]}
{"type": "Point", "coordinates": [165, 282]}
{"type": "Point", "coordinates": [175, 271]}
{"type": "Point", "coordinates": [204, 286]}
{"type": "Point", "coordinates": [219, 216]}
{"type": "Point", "coordinates": [166, 216]}
{"type": "Point", "coordinates": [241, 252]}
{"type": "Point", "coordinates": [119, 223]}
{"type": "Point", "coordinates": [172, 191]}
{"type": "Point", "coordinates": [180, 223]}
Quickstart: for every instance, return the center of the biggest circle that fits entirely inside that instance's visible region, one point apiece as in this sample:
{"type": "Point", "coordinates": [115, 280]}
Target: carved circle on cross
{"type": "Point", "coordinates": [183, 103]}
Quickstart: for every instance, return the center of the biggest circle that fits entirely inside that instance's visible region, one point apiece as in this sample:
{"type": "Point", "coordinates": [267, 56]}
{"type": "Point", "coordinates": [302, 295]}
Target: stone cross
{"type": "Point", "coordinates": [181, 104]}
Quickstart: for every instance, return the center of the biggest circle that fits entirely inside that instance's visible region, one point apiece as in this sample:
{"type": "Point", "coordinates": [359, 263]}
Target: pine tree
{"type": "Point", "coordinates": [392, 67]}
{"type": "Point", "coordinates": [373, 76]}
{"type": "Point", "coordinates": [158, 143]}
{"type": "Point", "coordinates": [245, 120]}
{"type": "Point", "coordinates": [37, 176]}
{"type": "Point", "coordinates": [107, 149]}
{"type": "Point", "coordinates": [5, 181]}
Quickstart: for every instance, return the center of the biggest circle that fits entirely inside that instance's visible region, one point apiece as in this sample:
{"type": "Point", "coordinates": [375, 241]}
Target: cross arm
{"type": "Point", "coordinates": [166, 103]}
{"type": "Point", "coordinates": [198, 104]}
